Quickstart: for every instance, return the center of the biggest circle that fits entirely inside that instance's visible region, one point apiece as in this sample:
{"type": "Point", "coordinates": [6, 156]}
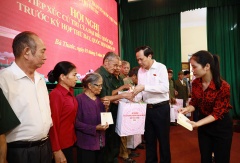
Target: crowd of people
{"type": "Point", "coordinates": [38, 127]}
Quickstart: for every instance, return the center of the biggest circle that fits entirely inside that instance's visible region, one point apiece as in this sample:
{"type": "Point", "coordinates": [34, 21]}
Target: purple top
{"type": "Point", "coordinates": [88, 117]}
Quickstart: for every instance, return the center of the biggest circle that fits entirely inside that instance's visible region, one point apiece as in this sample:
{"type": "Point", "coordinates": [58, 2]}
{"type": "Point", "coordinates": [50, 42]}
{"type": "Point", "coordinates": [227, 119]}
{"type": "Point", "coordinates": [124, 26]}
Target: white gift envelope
{"type": "Point", "coordinates": [182, 120]}
{"type": "Point", "coordinates": [106, 117]}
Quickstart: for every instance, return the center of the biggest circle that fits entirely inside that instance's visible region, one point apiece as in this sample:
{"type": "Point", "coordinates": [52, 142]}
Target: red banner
{"type": "Point", "coordinates": [79, 31]}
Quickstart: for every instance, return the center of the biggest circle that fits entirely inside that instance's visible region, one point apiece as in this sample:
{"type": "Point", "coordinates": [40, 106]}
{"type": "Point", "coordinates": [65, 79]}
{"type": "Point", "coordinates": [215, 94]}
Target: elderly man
{"type": "Point", "coordinates": [181, 88]}
{"type": "Point", "coordinates": [110, 64]}
{"type": "Point", "coordinates": [153, 86]}
{"type": "Point", "coordinates": [27, 94]}
{"type": "Point", "coordinates": [125, 69]}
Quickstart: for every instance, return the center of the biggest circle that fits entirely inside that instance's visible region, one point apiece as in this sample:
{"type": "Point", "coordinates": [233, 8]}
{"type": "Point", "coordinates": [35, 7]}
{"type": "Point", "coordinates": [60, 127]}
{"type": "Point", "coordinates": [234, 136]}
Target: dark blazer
{"type": "Point", "coordinates": [182, 89]}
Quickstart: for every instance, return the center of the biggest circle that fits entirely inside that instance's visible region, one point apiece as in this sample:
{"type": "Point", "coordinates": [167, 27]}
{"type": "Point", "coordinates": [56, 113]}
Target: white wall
{"type": "Point", "coordinates": [193, 32]}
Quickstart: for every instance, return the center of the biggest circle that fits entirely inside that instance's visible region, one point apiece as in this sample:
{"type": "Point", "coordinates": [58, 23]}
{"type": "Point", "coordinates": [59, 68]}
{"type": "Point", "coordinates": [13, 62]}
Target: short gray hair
{"type": "Point", "coordinates": [110, 56]}
{"type": "Point", "coordinates": [90, 78]}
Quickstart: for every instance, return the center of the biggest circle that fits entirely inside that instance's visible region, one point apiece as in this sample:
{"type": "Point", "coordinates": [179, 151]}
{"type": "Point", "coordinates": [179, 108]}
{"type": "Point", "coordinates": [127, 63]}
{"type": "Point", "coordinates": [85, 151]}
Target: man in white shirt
{"type": "Point", "coordinates": [27, 94]}
{"type": "Point", "coordinates": [153, 87]}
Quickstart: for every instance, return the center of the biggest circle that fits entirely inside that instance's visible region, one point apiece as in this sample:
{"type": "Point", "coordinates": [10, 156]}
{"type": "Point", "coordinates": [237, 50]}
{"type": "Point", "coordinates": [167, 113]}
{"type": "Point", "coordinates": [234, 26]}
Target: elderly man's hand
{"type": "Point", "coordinates": [137, 89]}
{"type": "Point", "coordinates": [127, 95]}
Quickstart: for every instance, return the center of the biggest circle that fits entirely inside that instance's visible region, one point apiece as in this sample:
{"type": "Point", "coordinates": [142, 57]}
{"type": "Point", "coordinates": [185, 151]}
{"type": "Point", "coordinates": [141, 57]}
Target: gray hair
{"type": "Point", "coordinates": [125, 62]}
{"type": "Point", "coordinates": [90, 78]}
{"type": "Point", "coordinates": [110, 56]}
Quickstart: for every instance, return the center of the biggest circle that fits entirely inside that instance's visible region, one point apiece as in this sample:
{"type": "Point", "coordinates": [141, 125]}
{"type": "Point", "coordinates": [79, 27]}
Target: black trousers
{"type": "Point", "coordinates": [68, 153]}
{"type": "Point", "coordinates": [88, 156]}
{"type": "Point", "coordinates": [195, 114]}
{"type": "Point", "coordinates": [35, 154]}
{"type": "Point", "coordinates": [112, 146]}
{"type": "Point", "coordinates": [157, 128]}
{"type": "Point", "coordinates": [216, 137]}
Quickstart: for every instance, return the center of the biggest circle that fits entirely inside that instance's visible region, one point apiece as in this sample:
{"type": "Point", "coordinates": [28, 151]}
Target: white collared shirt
{"type": "Point", "coordinates": [156, 83]}
{"type": "Point", "coordinates": [30, 102]}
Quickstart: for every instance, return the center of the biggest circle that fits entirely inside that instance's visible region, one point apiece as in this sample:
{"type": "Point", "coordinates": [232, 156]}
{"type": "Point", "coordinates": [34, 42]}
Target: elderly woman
{"type": "Point", "coordinates": [90, 132]}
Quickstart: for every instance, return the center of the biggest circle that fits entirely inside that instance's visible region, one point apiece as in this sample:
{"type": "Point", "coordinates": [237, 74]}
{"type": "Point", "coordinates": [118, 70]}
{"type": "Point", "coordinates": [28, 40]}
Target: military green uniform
{"type": "Point", "coordinates": [128, 80]}
{"type": "Point", "coordinates": [107, 80]}
{"type": "Point", "coordinates": [116, 83]}
{"type": "Point", "coordinates": [171, 89]}
{"type": "Point", "coordinates": [123, 76]}
{"type": "Point", "coordinates": [8, 119]}
{"type": "Point", "coordinates": [112, 146]}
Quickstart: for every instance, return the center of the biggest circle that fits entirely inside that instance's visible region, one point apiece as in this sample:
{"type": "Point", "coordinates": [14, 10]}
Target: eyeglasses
{"type": "Point", "coordinates": [98, 85]}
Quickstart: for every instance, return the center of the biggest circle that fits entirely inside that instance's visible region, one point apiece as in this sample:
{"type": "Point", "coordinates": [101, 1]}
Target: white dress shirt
{"type": "Point", "coordinates": [30, 102]}
{"type": "Point", "coordinates": [156, 83]}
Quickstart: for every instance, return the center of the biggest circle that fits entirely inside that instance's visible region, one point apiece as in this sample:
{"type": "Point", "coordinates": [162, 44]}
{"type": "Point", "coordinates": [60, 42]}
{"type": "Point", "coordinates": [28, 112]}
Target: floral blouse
{"type": "Point", "coordinates": [211, 101]}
